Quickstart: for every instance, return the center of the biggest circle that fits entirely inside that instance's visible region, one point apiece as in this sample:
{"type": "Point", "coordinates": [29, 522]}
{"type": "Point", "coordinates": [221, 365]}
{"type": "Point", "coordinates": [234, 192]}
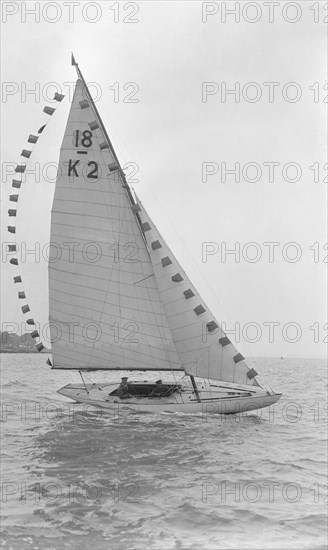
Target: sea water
{"type": "Point", "coordinates": [75, 477]}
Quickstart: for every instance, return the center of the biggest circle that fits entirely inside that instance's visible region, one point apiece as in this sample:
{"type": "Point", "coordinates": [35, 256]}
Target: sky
{"type": "Point", "coordinates": [159, 72]}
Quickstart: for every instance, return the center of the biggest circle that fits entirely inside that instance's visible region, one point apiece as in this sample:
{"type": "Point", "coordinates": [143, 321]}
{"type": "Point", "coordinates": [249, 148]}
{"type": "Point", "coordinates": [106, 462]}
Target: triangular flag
{"type": "Point", "coordinates": [48, 362]}
{"type": "Point", "coordinates": [41, 129]}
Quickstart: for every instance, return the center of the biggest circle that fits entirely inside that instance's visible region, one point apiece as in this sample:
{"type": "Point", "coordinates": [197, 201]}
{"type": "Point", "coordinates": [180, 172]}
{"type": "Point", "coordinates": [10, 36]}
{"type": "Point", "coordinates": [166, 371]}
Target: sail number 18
{"type": "Point", "coordinates": [86, 140]}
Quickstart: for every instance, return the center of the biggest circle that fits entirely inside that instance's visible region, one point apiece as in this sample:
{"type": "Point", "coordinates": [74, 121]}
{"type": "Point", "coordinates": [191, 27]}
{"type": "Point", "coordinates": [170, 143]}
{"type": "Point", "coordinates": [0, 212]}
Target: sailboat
{"type": "Point", "coordinates": [120, 302]}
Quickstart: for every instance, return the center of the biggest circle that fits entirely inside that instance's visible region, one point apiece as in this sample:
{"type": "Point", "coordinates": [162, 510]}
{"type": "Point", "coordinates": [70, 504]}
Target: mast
{"type": "Point", "coordinates": [126, 185]}
{"type": "Point", "coordinates": [194, 385]}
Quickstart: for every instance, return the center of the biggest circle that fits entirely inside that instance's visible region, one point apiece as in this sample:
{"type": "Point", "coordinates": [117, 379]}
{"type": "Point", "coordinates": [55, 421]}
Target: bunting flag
{"type": "Point", "coordinates": [32, 138]}
{"type": "Point", "coordinates": [93, 125]}
{"type": "Point", "coordinates": [58, 97]}
{"type": "Point", "coordinates": [84, 104]}
{"type": "Point", "coordinates": [49, 110]}
{"type": "Point", "coordinates": [48, 362]}
{"type": "Point", "coordinates": [104, 145]}
{"type": "Point", "coordinates": [20, 168]}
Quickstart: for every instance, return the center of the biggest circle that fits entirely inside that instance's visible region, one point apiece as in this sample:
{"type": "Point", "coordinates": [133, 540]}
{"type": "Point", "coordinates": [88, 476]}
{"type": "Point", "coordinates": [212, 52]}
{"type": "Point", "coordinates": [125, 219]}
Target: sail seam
{"type": "Point", "coordinates": [99, 290]}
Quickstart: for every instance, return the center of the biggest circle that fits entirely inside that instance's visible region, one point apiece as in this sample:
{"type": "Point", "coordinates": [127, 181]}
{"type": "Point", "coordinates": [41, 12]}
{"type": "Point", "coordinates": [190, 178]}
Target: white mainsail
{"type": "Point", "coordinates": [105, 307]}
{"type": "Point", "coordinates": [204, 349]}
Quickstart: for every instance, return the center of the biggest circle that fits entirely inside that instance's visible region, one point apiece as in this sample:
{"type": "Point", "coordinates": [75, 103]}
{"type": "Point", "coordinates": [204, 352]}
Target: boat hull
{"type": "Point", "coordinates": [224, 400]}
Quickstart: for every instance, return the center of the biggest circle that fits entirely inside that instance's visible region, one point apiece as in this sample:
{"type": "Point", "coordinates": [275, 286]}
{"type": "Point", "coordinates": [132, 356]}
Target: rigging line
{"type": "Point", "coordinates": [137, 282]}
{"type": "Point", "coordinates": [126, 186]}
{"type": "Point", "coordinates": [16, 225]}
{"type": "Point", "coordinates": [86, 389]}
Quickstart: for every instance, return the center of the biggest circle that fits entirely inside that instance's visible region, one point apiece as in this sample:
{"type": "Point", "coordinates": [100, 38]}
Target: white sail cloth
{"type": "Point", "coordinates": [105, 308]}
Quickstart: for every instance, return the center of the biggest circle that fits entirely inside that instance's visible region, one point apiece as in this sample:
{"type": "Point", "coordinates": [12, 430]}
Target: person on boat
{"type": "Point", "coordinates": [123, 391]}
{"type": "Point", "coordinates": [159, 391]}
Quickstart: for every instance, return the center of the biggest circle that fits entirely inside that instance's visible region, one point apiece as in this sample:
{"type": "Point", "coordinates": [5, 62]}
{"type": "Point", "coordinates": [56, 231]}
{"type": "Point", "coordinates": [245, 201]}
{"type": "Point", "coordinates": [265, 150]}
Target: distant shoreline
{"type": "Point", "coordinates": [23, 351]}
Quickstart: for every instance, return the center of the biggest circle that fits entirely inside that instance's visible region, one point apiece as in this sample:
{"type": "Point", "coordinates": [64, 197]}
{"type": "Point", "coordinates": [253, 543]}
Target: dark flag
{"type": "Point", "coordinates": [59, 97]}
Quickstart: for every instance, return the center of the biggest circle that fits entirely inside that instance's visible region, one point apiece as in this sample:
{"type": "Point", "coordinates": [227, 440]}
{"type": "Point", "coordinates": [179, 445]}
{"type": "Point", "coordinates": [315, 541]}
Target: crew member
{"type": "Point", "coordinates": [123, 391]}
